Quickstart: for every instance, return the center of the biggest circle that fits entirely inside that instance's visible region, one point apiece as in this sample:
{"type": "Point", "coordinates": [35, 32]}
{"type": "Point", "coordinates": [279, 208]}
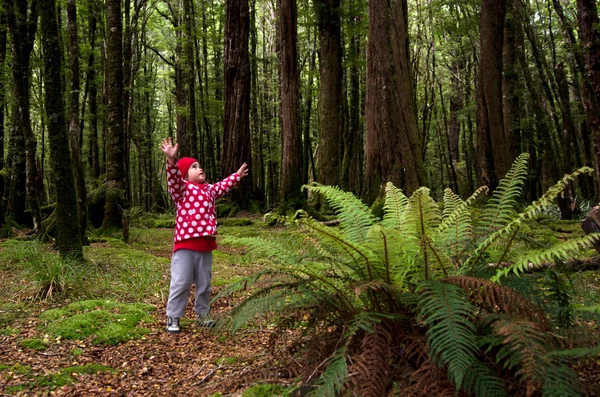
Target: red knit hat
{"type": "Point", "coordinates": [184, 165]}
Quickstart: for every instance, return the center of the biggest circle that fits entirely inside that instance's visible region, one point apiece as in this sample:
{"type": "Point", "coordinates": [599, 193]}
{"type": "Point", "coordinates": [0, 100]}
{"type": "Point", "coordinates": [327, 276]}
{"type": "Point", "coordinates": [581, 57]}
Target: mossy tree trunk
{"type": "Point", "coordinates": [21, 16]}
{"type": "Point", "coordinates": [115, 164]}
{"type": "Point", "coordinates": [236, 136]}
{"type": "Point", "coordinates": [67, 222]}
{"type": "Point", "coordinates": [3, 32]}
{"type": "Point", "coordinates": [74, 132]}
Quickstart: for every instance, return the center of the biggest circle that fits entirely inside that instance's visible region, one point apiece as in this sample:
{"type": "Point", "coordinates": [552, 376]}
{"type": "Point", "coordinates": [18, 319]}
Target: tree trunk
{"type": "Point", "coordinates": [22, 24]}
{"type": "Point", "coordinates": [510, 85]}
{"type": "Point", "coordinates": [236, 136]}
{"type": "Point", "coordinates": [393, 146]}
{"type": "Point", "coordinates": [190, 78]}
{"type": "Point", "coordinates": [330, 92]}
{"type": "Point", "coordinates": [491, 143]}
{"type": "Point", "coordinates": [94, 157]}
{"type": "Point", "coordinates": [307, 153]}
{"type": "Point", "coordinates": [67, 224]}
{"type": "Point", "coordinates": [590, 41]}
{"type": "Point", "coordinates": [3, 33]}
{"type": "Point", "coordinates": [74, 133]}
{"type": "Point", "coordinates": [291, 142]}
{"type": "Point", "coordinates": [115, 158]}
{"type": "Point", "coordinates": [353, 153]}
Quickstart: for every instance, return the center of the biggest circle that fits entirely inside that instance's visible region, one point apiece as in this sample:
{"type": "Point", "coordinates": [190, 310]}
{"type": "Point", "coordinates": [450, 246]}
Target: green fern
{"type": "Point", "coordinates": [500, 208]}
{"type": "Point", "coordinates": [394, 207]}
{"type": "Point", "coordinates": [532, 259]}
{"type": "Point", "coordinates": [334, 376]}
{"type": "Point", "coordinates": [355, 216]}
{"type": "Point", "coordinates": [445, 311]}
{"type": "Point", "coordinates": [560, 381]}
{"type": "Point", "coordinates": [482, 382]}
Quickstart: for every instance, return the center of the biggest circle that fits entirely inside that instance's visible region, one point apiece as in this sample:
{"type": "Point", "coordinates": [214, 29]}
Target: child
{"type": "Point", "coordinates": [195, 231]}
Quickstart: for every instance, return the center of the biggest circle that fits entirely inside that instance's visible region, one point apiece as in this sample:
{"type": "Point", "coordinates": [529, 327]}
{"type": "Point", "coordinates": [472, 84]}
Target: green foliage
{"type": "Point", "coordinates": [406, 272]}
{"type": "Point", "coordinates": [106, 322]}
{"type": "Point", "coordinates": [34, 344]}
{"type": "Point", "coordinates": [266, 390]}
{"type": "Point", "coordinates": [446, 313]}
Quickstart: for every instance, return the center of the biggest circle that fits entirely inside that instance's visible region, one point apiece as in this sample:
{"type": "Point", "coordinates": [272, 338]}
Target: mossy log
{"type": "Point", "coordinates": [591, 224]}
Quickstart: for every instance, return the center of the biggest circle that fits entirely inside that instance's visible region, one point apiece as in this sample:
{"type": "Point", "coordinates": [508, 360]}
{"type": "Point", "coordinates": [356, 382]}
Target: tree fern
{"type": "Point", "coordinates": [445, 311]}
{"type": "Point", "coordinates": [355, 217]}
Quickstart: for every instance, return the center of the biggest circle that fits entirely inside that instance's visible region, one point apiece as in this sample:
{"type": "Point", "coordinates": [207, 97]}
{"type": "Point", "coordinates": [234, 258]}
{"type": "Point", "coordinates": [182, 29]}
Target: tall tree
{"type": "Point", "coordinates": [74, 133]}
{"type": "Point", "coordinates": [3, 32]}
{"type": "Point", "coordinates": [22, 16]}
{"type": "Point", "coordinates": [491, 142]}
{"type": "Point", "coordinates": [587, 15]}
{"type": "Point", "coordinates": [393, 146]}
{"type": "Point", "coordinates": [115, 164]}
{"type": "Point", "coordinates": [69, 236]}
{"type": "Point", "coordinates": [236, 136]}
{"type": "Point", "coordinates": [330, 93]}
{"type": "Point", "coordinates": [291, 142]}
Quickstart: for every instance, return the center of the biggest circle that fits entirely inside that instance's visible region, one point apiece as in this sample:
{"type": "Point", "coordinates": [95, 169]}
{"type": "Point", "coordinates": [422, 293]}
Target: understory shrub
{"type": "Point", "coordinates": [420, 291]}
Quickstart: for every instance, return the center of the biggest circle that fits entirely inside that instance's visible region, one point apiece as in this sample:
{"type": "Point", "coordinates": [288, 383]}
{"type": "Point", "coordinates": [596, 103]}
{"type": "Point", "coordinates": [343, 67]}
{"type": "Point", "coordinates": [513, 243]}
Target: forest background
{"type": "Point", "coordinates": [442, 93]}
{"type": "Point", "coordinates": [354, 94]}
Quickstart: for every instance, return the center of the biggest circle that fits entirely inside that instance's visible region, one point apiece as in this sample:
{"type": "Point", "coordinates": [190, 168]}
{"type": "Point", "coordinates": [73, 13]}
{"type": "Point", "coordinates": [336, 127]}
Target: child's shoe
{"type": "Point", "coordinates": [204, 321]}
{"type": "Point", "coordinates": [173, 325]}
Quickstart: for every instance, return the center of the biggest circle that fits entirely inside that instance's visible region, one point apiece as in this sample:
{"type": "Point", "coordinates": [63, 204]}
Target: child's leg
{"type": "Point", "coordinates": [203, 276]}
{"type": "Point", "coordinates": [182, 276]}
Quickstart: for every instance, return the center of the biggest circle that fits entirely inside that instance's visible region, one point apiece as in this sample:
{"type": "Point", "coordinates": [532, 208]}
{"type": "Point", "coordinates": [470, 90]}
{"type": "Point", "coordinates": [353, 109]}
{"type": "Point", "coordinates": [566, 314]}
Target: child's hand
{"type": "Point", "coordinates": [169, 150]}
{"type": "Point", "coordinates": [243, 171]}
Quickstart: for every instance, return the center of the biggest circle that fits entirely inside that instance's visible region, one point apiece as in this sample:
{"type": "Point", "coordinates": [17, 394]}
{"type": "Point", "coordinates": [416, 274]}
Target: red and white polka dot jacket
{"type": "Point", "coordinates": [196, 215]}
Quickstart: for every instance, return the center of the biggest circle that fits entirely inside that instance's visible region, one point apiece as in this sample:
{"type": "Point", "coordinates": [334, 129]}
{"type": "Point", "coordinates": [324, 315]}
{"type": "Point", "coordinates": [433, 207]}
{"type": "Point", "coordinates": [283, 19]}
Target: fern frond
{"type": "Point", "coordinates": [373, 362]}
{"type": "Point", "coordinates": [552, 193]}
{"type": "Point", "coordinates": [561, 381]}
{"type": "Point", "coordinates": [481, 382]}
{"type": "Point", "coordinates": [445, 310]}
{"type": "Point", "coordinates": [394, 208]}
{"type": "Point", "coordinates": [531, 211]}
{"type": "Point", "coordinates": [523, 350]}
{"type": "Point", "coordinates": [451, 201]}
{"type": "Point", "coordinates": [495, 296]}
{"type": "Point", "coordinates": [334, 377]}
{"type": "Point", "coordinates": [500, 208]}
{"type": "Point", "coordinates": [355, 217]}
{"type": "Point", "coordinates": [559, 251]}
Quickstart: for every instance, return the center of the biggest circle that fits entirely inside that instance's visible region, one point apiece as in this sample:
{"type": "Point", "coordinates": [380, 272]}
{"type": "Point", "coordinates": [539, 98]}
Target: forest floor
{"type": "Point", "coordinates": [196, 362]}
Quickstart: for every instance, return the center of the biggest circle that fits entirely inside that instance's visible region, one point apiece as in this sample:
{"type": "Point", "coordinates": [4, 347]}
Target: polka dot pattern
{"type": "Point", "coordinates": [196, 214]}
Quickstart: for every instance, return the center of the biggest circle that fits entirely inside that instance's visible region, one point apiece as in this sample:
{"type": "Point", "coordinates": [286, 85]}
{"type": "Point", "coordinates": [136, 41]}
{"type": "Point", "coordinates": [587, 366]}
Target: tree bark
{"type": "Point", "coordinates": [22, 24]}
{"type": "Point", "coordinates": [74, 132]}
{"type": "Point", "coordinates": [67, 224]}
{"type": "Point", "coordinates": [236, 136]}
{"type": "Point", "coordinates": [510, 84]}
{"type": "Point", "coordinates": [590, 41]}
{"type": "Point", "coordinates": [94, 158]}
{"type": "Point", "coordinates": [329, 160]}
{"type": "Point", "coordinates": [491, 143]}
{"type": "Point", "coordinates": [393, 146]}
{"type": "Point", "coordinates": [115, 163]}
{"type": "Point", "coordinates": [291, 142]}
{"type": "Point", "coordinates": [3, 37]}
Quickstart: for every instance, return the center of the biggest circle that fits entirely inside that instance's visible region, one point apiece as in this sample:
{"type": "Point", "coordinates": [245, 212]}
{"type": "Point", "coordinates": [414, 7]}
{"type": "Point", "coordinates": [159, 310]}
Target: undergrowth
{"type": "Point", "coordinates": [427, 290]}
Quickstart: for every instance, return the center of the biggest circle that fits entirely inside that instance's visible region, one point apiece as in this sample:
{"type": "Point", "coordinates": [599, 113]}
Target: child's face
{"type": "Point", "coordinates": [195, 174]}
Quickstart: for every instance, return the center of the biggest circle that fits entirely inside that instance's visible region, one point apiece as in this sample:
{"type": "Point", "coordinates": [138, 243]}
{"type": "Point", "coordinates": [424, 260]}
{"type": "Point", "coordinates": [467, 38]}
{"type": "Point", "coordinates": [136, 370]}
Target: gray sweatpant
{"type": "Point", "coordinates": [187, 268]}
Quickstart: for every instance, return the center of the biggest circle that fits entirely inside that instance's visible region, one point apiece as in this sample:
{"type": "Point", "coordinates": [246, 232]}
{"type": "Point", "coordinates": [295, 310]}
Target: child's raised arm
{"type": "Point", "coordinates": [169, 150]}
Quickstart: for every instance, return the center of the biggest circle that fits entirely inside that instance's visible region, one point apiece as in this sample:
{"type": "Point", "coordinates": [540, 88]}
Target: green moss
{"type": "Point", "coordinates": [227, 360]}
{"type": "Point", "coordinates": [8, 331]}
{"type": "Point", "coordinates": [107, 322]}
{"type": "Point", "coordinates": [16, 368]}
{"type": "Point", "coordinates": [77, 351]}
{"type": "Point", "coordinates": [267, 390]}
{"type": "Point", "coordinates": [235, 222]}
{"type": "Point", "coordinates": [34, 344]}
